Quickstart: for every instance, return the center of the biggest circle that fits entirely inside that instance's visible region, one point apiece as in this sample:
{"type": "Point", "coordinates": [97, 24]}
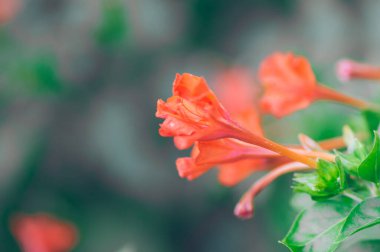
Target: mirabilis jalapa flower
{"type": "Point", "coordinates": [235, 159]}
{"type": "Point", "coordinates": [290, 85]}
{"type": "Point", "coordinates": [232, 141]}
{"type": "Point", "coordinates": [194, 113]}
{"type": "Point", "coordinates": [43, 233]}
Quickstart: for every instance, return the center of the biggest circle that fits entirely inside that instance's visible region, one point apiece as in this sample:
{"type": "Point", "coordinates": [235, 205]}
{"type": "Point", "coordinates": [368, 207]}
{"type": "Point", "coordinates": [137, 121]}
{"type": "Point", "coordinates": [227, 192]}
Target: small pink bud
{"type": "Point", "coordinates": [347, 70]}
{"type": "Point", "coordinates": [344, 70]}
{"type": "Point", "coordinates": [244, 209]}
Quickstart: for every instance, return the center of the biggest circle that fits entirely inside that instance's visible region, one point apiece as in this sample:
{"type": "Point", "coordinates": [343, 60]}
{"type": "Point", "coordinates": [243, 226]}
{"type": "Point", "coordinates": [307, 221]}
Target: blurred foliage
{"type": "Point", "coordinates": [78, 138]}
{"type": "Point", "coordinates": [210, 18]}
{"type": "Point", "coordinates": [35, 76]}
{"type": "Point", "coordinates": [113, 28]}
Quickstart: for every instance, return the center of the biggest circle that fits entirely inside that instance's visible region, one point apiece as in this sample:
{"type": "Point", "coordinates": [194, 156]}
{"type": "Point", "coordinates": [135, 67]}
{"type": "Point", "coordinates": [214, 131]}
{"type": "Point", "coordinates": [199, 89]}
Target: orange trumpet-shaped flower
{"type": "Point", "coordinates": [290, 85]}
{"type": "Point", "coordinates": [347, 70]}
{"type": "Point", "coordinates": [235, 159]}
{"type": "Point", "coordinates": [238, 93]}
{"type": "Point", "coordinates": [43, 233]}
{"type": "Point", "coordinates": [193, 113]}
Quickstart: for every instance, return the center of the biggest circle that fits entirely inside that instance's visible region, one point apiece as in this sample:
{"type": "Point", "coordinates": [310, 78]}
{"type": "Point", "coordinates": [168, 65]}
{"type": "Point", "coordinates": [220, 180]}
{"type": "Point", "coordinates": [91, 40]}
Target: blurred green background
{"type": "Point", "coordinates": [79, 81]}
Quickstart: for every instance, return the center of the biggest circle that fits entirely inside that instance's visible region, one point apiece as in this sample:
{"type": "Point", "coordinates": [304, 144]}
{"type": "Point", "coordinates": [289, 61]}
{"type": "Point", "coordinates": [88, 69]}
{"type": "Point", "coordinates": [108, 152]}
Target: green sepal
{"type": "Point", "coordinates": [354, 146]}
{"type": "Point", "coordinates": [328, 180]}
{"type": "Point", "coordinates": [355, 154]}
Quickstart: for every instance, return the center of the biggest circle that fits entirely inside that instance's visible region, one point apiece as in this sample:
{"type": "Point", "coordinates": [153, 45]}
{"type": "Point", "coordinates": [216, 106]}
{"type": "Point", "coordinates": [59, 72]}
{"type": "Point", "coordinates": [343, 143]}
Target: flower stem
{"type": "Point", "coordinates": [352, 195]}
{"type": "Point", "coordinates": [316, 154]}
{"type": "Point", "coordinates": [332, 143]}
{"type": "Point", "coordinates": [325, 93]}
{"type": "Point", "coordinates": [336, 142]}
{"type": "Point", "coordinates": [244, 209]}
{"type": "Point", "coordinates": [249, 137]}
{"type": "Point", "coordinates": [372, 189]}
{"type": "Point", "coordinates": [311, 154]}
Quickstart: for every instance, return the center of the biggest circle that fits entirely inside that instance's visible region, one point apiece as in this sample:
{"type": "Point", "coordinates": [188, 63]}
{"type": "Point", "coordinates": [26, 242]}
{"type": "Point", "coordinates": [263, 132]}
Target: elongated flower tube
{"type": "Point", "coordinates": [236, 160]}
{"type": "Point", "coordinates": [43, 233]}
{"type": "Point", "coordinates": [290, 85]}
{"type": "Point", "coordinates": [193, 113]}
{"type": "Point", "coordinates": [347, 70]}
{"type": "Point", "coordinates": [244, 209]}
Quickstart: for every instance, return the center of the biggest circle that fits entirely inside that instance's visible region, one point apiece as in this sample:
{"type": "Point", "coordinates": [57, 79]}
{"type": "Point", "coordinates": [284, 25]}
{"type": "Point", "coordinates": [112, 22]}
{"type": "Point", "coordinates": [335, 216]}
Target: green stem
{"type": "Point", "coordinates": [372, 189]}
{"type": "Point", "coordinates": [352, 195]}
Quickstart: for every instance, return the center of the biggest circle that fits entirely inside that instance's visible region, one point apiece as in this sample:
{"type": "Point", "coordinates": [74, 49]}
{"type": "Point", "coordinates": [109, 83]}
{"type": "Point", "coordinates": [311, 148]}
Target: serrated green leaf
{"type": "Point", "coordinates": [364, 215]}
{"type": "Point", "coordinates": [369, 168]}
{"type": "Point", "coordinates": [326, 224]}
{"type": "Point", "coordinates": [365, 240]}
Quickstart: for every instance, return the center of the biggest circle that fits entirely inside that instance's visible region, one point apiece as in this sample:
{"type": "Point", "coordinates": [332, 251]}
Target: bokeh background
{"type": "Point", "coordinates": [79, 80]}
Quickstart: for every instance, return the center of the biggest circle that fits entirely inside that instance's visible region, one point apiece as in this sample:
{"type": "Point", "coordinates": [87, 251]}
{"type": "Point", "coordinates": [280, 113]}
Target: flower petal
{"type": "Point", "coordinates": [233, 173]}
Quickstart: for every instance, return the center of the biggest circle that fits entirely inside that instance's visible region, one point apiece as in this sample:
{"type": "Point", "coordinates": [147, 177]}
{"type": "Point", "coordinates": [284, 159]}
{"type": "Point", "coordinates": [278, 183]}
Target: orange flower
{"type": "Point", "coordinates": [43, 233]}
{"type": "Point", "coordinates": [235, 144]}
{"type": "Point", "coordinates": [231, 174]}
{"type": "Point", "coordinates": [193, 113]}
{"type": "Point", "coordinates": [235, 159]}
{"type": "Point", "coordinates": [347, 70]}
{"type": "Point", "coordinates": [238, 93]}
{"type": "Point", "coordinates": [290, 85]}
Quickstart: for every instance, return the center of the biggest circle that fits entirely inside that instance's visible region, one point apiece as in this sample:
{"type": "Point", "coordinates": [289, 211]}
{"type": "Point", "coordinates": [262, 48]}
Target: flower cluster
{"type": "Point", "coordinates": [225, 130]}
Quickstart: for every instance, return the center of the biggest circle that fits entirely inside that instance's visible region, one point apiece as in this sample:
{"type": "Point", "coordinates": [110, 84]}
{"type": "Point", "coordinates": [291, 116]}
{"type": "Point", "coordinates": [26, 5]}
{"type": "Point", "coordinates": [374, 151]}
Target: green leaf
{"type": "Point", "coordinates": [326, 224]}
{"type": "Point", "coordinates": [369, 169]}
{"type": "Point", "coordinates": [328, 180]}
{"type": "Point", "coordinates": [366, 240]}
{"type": "Point", "coordinates": [372, 118]}
{"type": "Point", "coordinates": [364, 215]}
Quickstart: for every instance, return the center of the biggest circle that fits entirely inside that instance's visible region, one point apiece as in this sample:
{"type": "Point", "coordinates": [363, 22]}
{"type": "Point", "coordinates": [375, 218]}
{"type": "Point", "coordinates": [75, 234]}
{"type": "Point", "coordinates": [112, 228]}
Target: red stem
{"type": "Point", "coordinates": [244, 209]}
{"type": "Point", "coordinates": [325, 93]}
